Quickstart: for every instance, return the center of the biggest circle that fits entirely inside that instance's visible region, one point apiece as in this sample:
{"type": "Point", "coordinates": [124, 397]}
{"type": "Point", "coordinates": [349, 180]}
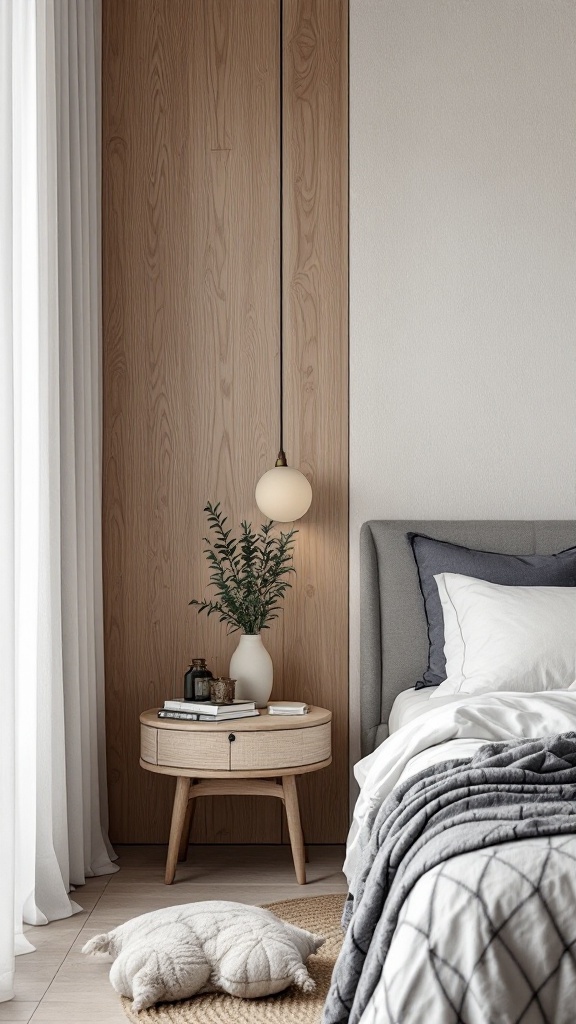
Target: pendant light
{"type": "Point", "coordinates": [282, 494]}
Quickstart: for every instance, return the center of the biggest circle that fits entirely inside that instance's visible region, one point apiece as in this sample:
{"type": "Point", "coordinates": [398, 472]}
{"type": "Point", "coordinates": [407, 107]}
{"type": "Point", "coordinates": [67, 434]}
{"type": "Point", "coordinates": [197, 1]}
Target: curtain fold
{"type": "Point", "coordinates": [52, 770]}
{"type": "Point", "coordinates": [7, 524]}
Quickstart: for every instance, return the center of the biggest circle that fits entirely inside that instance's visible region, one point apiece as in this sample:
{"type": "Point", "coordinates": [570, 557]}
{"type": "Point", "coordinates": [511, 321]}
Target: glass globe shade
{"type": "Point", "coordinates": [283, 494]}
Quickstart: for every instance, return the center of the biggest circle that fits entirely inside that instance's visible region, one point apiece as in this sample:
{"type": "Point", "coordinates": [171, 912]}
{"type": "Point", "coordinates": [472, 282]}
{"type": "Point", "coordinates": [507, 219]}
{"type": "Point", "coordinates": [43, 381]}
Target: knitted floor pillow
{"type": "Point", "coordinates": [214, 946]}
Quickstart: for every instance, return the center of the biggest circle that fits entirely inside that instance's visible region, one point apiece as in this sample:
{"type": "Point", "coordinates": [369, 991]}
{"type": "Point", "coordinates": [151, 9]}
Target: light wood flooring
{"type": "Point", "coordinates": [57, 983]}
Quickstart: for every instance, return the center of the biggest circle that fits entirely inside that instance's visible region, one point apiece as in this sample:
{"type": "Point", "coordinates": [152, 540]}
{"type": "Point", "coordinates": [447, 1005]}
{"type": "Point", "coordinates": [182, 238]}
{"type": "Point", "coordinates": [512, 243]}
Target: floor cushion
{"type": "Point", "coordinates": [214, 946]}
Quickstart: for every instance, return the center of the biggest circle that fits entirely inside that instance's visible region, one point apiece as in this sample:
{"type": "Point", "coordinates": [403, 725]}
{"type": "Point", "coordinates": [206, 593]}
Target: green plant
{"type": "Point", "coordinates": [250, 572]}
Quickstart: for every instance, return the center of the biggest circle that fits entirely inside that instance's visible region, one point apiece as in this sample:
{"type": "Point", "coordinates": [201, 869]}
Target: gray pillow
{"type": "Point", "coordinates": [436, 556]}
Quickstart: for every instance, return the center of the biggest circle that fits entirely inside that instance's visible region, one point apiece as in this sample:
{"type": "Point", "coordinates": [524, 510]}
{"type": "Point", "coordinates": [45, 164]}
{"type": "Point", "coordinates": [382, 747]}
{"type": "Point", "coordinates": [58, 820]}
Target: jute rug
{"type": "Point", "coordinates": [320, 914]}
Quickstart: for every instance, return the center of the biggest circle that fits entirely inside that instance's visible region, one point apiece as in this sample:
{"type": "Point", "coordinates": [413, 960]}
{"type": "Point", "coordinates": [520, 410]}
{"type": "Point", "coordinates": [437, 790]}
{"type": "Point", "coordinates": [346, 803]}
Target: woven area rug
{"type": "Point", "coordinates": [320, 914]}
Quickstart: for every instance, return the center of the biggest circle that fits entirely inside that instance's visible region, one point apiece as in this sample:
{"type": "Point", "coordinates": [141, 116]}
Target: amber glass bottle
{"type": "Point", "coordinates": [197, 680]}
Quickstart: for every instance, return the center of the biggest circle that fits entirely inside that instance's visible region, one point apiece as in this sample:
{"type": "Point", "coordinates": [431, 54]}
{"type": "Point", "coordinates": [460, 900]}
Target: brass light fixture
{"type": "Point", "coordinates": [282, 494]}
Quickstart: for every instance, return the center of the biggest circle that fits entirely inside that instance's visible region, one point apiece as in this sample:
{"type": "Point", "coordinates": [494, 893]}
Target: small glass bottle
{"type": "Point", "coordinates": [197, 680]}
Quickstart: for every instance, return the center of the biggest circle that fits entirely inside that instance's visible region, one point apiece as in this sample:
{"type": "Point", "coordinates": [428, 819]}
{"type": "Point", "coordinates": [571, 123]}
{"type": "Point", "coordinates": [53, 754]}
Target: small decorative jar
{"type": "Point", "coordinates": [222, 690]}
{"type": "Point", "coordinates": [197, 680]}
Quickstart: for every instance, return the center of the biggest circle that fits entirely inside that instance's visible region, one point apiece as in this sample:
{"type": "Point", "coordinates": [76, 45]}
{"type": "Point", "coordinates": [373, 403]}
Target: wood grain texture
{"type": "Point", "coordinates": [262, 723]}
{"type": "Point", "coordinates": [149, 744]}
{"type": "Point", "coordinates": [190, 320]}
{"type": "Point", "coordinates": [294, 827]}
{"type": "Point", "coordinates": [187, 792]}
{"type": "Point", "coordinates": [186, 830]}
{"type": "Point", "coordinates": [280, 749]}
{"type": "Point", "coordinates": [177, 825]}
{"type": "Point", "coordinates": [260, 787]}
{"type": "Point", "coordinates": [221, 749]}
{"type": "Point", "coordinates": [244, 773]}
{"type": "Point", "coordinates": [210, 752]}
{"type": "Point", "coordinates": [316, 371]}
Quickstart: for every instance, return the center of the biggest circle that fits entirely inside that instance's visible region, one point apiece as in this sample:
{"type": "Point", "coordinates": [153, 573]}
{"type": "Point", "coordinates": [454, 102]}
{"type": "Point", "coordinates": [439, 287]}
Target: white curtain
{"type": "Point", "coordinates": [52, 773]}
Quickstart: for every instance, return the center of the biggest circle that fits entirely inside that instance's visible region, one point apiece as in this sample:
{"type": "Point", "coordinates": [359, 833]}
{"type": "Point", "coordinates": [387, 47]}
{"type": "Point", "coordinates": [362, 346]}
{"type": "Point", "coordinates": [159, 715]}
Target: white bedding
{"type": "Point", "coordinates": [410, 704]}
{"type": "Point", "coordinates": [506, 638]}
{"type": "Point", "coordinates": [481, 960]}
{"type": "Point", "coordinates": [526, 941]}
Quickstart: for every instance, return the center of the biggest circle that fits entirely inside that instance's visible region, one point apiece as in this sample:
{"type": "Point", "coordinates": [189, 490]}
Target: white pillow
{"type": "Point", "coordinates": [206, 947]}
{"type": "Point", "coordinates": [506, 638]}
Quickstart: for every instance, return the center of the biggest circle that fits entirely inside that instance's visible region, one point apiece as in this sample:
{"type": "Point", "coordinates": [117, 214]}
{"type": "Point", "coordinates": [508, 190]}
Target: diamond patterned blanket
{"type": "Point", "coordinates": [523, 794]}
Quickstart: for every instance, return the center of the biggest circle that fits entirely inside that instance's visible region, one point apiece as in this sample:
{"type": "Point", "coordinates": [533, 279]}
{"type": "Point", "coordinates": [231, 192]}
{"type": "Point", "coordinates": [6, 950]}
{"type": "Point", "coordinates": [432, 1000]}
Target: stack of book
{"type": "Point", "coordinates": [205, 711]}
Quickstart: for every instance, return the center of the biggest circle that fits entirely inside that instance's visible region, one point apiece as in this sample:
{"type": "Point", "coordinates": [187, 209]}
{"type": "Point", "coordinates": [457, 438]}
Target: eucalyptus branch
{"type": "Point", "coordinates": [249, 573]}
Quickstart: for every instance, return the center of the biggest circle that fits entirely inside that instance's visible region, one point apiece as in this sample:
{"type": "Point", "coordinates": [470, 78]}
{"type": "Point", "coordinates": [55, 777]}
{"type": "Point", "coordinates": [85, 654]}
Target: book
{"type": "Point", "coordinates": [187, 716]}
{"type": "Point", "coordinates": [191, 716]}
{"type": "Point", "coordinates": [288, 707]}
{"type": "Point", "coordinates": [229, 716]}
{"type": "Point", "coordinates": [207, 708]}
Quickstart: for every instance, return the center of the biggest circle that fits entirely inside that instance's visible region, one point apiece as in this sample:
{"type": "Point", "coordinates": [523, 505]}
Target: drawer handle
{"type": "Point", "coordinates": [231, 737]}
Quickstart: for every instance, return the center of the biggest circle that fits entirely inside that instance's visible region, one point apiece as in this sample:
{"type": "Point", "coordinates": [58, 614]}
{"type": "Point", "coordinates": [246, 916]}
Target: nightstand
{"type": "Point", "coordinates": [244, 757]}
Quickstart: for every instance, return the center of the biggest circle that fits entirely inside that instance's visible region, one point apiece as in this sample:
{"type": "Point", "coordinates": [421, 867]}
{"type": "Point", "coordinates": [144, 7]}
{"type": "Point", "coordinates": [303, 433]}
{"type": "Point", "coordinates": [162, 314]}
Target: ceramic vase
{"type": "Point", "coordinates": [251, 667]}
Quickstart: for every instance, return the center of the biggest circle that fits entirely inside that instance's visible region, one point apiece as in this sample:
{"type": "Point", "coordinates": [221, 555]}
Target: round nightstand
{"type": "Point", "coordinates": [244, 757]}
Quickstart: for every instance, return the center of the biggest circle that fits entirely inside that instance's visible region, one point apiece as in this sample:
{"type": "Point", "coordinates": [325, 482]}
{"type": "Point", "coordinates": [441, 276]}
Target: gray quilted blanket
{"type": "Point", "coordinates": [508, 791]}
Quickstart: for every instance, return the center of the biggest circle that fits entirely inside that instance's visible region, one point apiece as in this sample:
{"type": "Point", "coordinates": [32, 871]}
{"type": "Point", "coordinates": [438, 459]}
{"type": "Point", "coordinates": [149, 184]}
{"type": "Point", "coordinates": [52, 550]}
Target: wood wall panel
{"type": "Point", "coordinates": [190, 314]}
{"type": "Point", "coordinates": [316, 369]}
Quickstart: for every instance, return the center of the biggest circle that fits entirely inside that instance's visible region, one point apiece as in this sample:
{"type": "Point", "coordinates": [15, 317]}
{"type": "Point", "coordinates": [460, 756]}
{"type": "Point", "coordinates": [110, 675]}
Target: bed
{"type": "Point", "coordinates": [474, 930]}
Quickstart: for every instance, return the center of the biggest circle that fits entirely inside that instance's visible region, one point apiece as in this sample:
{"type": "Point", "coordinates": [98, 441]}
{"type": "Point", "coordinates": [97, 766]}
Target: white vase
{"type": "Point", "coordinates": [251, 667]}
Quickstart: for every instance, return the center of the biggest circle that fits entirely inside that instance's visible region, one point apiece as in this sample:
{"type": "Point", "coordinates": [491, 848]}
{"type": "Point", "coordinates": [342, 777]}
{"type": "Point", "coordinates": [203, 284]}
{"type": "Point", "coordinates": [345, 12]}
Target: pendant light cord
{"type": "Point", "coordinates": [281, 460]}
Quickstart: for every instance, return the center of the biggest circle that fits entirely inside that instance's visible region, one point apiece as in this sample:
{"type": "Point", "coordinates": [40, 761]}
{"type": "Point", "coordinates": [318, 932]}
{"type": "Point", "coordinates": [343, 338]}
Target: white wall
{"type": "Point", "coordinates": [463, 263]}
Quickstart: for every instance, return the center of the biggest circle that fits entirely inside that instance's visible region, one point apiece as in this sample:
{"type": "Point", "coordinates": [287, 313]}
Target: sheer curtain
{"type": "Point", "coordinates": [52, 779]}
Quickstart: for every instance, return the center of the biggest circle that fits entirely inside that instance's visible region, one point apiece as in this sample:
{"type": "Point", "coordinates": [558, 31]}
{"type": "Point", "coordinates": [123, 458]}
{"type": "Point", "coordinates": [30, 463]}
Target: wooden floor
{"type": "Point", "coordinates": [57, 983]}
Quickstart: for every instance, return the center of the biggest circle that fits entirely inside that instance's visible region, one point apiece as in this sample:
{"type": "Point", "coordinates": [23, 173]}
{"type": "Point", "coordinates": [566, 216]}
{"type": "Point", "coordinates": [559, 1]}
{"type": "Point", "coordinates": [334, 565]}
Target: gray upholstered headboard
{"type": "Point", "coordinates": [393, 635]}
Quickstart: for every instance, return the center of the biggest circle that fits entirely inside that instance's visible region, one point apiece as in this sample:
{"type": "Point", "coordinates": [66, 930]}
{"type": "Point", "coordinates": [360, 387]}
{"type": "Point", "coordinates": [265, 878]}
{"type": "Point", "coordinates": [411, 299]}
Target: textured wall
{"type": "Point", "coordinates": [462, 263]}
{"type": "Point", "coordinates": [191, 363]}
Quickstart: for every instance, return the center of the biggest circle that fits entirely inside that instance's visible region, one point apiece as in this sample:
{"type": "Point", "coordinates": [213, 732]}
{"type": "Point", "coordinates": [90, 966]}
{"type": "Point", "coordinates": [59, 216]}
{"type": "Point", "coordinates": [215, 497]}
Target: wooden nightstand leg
{"type": "Point", "coordinates": [294, 826]}
{"type": "Point", "coordinates": [178, 818]}
{"type": "Point", "coordinates": [185, 837]}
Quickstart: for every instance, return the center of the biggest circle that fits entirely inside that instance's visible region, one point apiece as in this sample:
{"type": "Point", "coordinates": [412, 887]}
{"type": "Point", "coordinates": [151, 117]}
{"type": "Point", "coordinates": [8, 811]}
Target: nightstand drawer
{"type": "Point", "coordinates": [288, 748]}
{"type": "Point", "coordinates": [149, 744]}
{"type": "Point", "coordinates": [206, 751]}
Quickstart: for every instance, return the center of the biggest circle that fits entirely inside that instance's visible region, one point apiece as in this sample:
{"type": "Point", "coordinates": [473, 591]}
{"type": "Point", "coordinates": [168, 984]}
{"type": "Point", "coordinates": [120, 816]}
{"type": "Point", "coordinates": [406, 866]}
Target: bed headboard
{"type": "Point", "coordinates": [393, 634]}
